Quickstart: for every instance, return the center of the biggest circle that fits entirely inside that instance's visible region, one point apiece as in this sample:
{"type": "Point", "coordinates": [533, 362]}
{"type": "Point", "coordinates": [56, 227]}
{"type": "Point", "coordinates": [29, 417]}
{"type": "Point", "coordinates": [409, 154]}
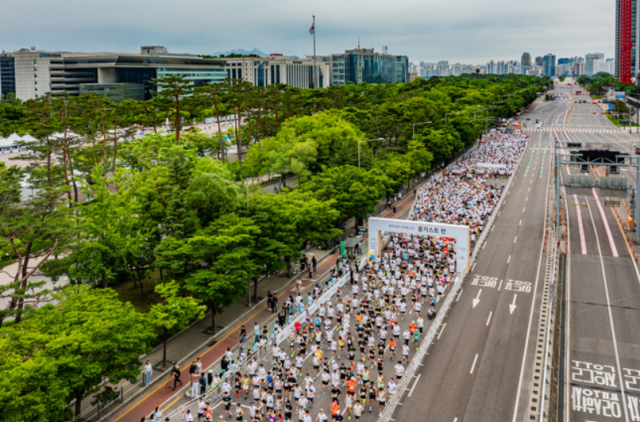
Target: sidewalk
{"type": "Point", "coordinates": [194, 342]}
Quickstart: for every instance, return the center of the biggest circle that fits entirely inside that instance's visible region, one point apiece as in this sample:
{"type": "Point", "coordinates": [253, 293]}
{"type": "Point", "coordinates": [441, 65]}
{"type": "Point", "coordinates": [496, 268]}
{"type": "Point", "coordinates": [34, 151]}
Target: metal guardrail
{"type": "Point", "coordinates": [214, 393]}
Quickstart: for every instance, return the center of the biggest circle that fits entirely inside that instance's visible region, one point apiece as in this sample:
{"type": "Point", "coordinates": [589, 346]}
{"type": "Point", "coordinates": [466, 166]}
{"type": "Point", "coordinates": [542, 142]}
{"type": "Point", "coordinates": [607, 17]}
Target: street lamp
{"type": "Point", "coordinates": [414, 130]}
{"type": "Point", "coordinates": [366, 140]}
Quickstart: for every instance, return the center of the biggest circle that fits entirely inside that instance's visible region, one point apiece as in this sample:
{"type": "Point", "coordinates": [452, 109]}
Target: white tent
{"type": "Point", "coordinates": [9, 144]}
{"type": "Point", "coordinates": [14, 137]}
{"type": "Point", "coordinates": [29, 138]}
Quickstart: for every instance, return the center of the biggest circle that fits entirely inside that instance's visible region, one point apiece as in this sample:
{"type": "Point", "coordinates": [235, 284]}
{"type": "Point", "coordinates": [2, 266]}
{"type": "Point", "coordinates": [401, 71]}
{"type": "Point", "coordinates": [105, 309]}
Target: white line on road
{"type": "Point", "coordinates": [474, 266]}
{"type": "Point", "coordinates": [441, 330]}
{"type": "Point", "coordinates": [493, 227]}
{"type": "Point", "coordinates": [459, 294]}
{"type": "Point", "coordinates": [489, 319]}
{"type": "Point", "coordinates": [526, 199]}
{"type": "Point", "coordinates": [474, 364]}
{"type": "Point", "coordinates": [414, 385]}
{"type": "Point", "coordinates": [509, 259]}
{"type": "Point", "coordinates": [515, 240]}
{"type": "Point", "coordinates": [524, 209]}
{"type": "Point", "coordinates": [606, 293]}
{"type": "Point", "coordinates": [529, 190]}
{"type": "Point", "coordinates": [499, 213]}
{"type": "Point", "coordinates": [485, 244]}
{"type": "Point", "coordinates": [455, 420]}
{"type": "Point", "coordinates": [520, 223]}
{"type": "Point", "coordinates": [500, 286]}
{"type": "Point", "coordinates": [535, 289]}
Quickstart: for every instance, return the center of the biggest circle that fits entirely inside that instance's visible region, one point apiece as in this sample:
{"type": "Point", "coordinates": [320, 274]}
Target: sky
{"type": "Point", "coordinates": [465, 31]}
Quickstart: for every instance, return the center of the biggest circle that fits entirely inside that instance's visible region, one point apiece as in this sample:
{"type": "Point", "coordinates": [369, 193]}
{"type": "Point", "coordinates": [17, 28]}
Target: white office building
{"type": "Point", "coordinates": [278, 69]}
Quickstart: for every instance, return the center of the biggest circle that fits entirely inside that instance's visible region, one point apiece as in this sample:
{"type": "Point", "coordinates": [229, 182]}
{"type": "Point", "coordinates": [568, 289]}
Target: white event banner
{"type": "Point", "coordinates": [491, 165]}
{"type": "Point", "coordinates": [459, 232]}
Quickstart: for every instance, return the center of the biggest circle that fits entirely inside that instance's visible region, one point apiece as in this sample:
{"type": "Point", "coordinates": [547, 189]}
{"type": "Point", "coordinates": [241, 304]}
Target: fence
{"type": "Point", "coordinates": [214, 393]}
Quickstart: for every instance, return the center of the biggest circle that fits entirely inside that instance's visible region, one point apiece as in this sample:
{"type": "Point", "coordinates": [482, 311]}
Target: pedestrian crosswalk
{"type": "Point", "coordinates": [573, 129]}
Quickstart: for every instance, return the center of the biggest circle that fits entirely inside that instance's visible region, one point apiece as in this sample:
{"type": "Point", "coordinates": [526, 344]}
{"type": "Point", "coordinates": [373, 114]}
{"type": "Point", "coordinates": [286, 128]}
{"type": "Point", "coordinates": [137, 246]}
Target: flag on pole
{"type": "Point", "coordinates": [312, 30]}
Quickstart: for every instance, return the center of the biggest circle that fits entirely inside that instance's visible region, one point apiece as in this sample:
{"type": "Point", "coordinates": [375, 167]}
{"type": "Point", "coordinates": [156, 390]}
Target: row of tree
{"type": "Point", "coordinates": [97, 207]}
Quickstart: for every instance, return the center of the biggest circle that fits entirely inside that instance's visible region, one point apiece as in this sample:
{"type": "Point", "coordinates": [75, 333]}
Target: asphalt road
{"type": "Point", "coordinates": [603, 291]}
{"type": "Point", "coordinates": [480, 367]}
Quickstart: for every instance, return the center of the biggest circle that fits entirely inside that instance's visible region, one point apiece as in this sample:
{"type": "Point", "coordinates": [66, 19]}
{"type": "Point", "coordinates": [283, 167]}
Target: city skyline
{"type": "Point", "coordinates": [469, 33]}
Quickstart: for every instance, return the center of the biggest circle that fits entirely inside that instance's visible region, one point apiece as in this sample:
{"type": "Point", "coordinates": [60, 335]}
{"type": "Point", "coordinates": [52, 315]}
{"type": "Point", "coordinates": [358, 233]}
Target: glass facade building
{"type": "Point", "coordinates": [365, 65]}
{"type": "Point", "coordinates": [7, 75]}
{"type": "Point", "coordinates": [115, 92]}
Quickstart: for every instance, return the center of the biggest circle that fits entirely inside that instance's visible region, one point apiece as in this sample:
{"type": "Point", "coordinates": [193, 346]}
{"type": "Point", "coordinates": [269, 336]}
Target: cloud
{"type": "Point", "coordinates": [468, 31]}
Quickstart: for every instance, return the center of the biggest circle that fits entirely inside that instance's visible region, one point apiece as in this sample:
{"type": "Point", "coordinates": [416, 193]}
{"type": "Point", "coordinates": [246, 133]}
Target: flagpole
{"type": "Point", "coordinates": [315, 85]}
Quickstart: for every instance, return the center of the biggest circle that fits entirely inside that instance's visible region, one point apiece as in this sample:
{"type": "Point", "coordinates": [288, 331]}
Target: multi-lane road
{"type": "Point", "coordinates": [603, 294]}
{"type": "Point", "coordinates": [482, 366]}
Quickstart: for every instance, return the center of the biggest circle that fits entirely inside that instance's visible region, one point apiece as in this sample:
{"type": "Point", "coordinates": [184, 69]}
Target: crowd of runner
{"type": "Point", "coordinates": [352, 337]}
{"type": "Point", "coordinates": [464, 194]}
{"type": "Point", "coordinates": [349, 341]}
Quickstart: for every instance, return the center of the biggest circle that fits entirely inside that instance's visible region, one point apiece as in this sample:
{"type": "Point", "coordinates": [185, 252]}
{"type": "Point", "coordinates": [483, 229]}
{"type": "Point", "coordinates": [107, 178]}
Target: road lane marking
{"type": "Point", "coordinates": [493, 227]}
{"type": "Point", "coordinates": [474, 266]}
{"type": "Point", "coordinates": [520, 223]}
{"type": "Point", "coordinates": [489, 319]}
{"type": "Point", "coordinates": [509, 259]}
{"type": "Point", "coordinates": [474, 364]}
{"type": "Point", "coordinates": [515, 240]}
{"type": "Point", "coordinates": [499, 213]}
{"type": "Point", "coordinates": [524, 209]}
{"type": "Point", "coordinates": [533, 296]}
{"type": "Point", "coordinates": [526, 199]}
{"type": "Point", "coordinates": [583, 242]}
{"type": "Point", "coordinates": [459, 294]}
{"type": "Point", "coordinates": [512, 306]}
{"type": "Point", "coordinates": [614, 250]}
{"type": "Point", "coordinates": [477, 299]}
{"type": "Point", "coordinates": [441, 330]}
{"type": "Point", "coordinates": [613, 330]}
{"type": "Point", "coordinates": [500, 286]}
{"type": "Point", "coordinates": [414, 385]}
{"type": "Point", "coordinates": [485, 244]}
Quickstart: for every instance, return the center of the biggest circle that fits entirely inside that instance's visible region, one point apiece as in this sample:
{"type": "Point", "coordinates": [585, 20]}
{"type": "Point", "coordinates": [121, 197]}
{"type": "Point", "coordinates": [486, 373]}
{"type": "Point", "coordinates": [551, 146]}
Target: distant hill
{"type": "Point", "coordinates": [240, 51]}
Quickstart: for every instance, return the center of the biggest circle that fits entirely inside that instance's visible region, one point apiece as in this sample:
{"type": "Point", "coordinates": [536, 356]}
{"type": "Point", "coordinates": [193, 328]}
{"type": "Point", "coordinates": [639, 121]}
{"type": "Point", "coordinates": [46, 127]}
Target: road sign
{"type": "Point", "coordinates": [611, 204]}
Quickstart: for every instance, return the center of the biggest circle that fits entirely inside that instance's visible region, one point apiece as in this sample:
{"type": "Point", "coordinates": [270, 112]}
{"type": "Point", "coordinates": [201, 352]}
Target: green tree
{"type": "Point", "coordinates": [89, 335]}
{"type": "Point", "coordinates": [286, 222]}
{"type": "Point", "coordinates": [215, 263]}
{"type": "Point", "coordinates": [110, 239]}
{"type": "Point", "coordinates": [173, 89]}
{"type": "Point", "coordinates": [355, 191]}
{"type": "Point", "coordinates": [174, 314]}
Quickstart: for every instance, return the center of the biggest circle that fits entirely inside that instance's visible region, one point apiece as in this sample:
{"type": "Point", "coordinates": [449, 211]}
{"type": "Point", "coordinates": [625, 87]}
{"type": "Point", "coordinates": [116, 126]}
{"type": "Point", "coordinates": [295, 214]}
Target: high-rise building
{"type": "Point", "coordinates": [113, 75]}
{"type": "Point", "coordinates": [588, 62]}
{"type": "Point", "coordinates": [525, 60]}
{"type": "Point", "coordinates": [578, 69]}
{"type": "Point", "coordinates": [627, 37]}
{"type": "Point", "coordinates": [539, 61]}
{"type": "Point", "coordinates": [549, 64]}
{"type": "Point", "coordinates": [365, 65]}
